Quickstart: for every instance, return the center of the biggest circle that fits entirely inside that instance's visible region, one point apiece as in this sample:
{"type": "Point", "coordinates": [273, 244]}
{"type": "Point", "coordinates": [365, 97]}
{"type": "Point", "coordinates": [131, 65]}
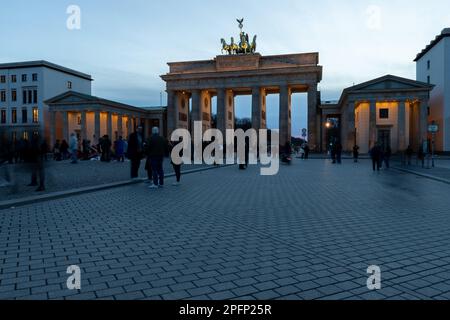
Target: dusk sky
{"type": "Point", "coordinates": [125, 45]}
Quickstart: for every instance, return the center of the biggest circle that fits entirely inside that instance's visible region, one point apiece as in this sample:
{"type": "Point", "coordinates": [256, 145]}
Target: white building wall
{"type": "Point", "coordinates": [439, 103]}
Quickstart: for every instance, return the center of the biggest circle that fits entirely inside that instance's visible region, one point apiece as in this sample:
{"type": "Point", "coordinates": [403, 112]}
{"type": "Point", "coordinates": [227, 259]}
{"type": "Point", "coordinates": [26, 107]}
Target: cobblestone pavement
{"type": "Point", "coordinates": [61, 176]}
{"type": "Point", "coordinates": [308, 233]}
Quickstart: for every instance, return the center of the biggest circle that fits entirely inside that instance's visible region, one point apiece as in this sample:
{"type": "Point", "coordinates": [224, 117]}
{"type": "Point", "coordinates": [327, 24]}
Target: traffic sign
{"type": "Point", "coordinates": [433, 128]}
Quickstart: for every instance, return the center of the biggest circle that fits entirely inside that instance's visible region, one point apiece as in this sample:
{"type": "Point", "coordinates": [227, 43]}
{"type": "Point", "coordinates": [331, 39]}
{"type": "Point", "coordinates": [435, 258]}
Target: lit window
{"type": "Point", "coordinates": [35, 115]}
{"type": "Point", "coordinates": [384, 113]}
{"type": "Point", "coordinates": [14, 115]}
{"type": "Point", "coordinates": [13, 95]}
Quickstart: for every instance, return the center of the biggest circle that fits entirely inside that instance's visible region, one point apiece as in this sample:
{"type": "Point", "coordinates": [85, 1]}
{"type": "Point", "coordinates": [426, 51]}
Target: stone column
{"type": "Point", "coordinates": [161, 126]}
{"type": "Point", "coordinates": [172, 111]}
{"type": "Point", "coordinates": [401, 126]}
{"type": "Point", "coordinates": [52, 118]}
{"type": "Point", "coordinates": [312, 117]}
{"type": "Point", "coordinates": [83, 125]}
{"type": "Point", "coordinates": [229, 110]}
{"type": "Point", "coordinates": [97, 126]}
{"type": "Point", "coordinates": [285, 116]}
{"type": "Point", "coordinates": [221, 110]}
{"type": "Point", "coordinates": [423, 120]}
{"type": "Point", "coordinates": [119, 125]}
{"type": "Point", "coordinates": [130, 125]}
{"type": "Point", "coordinates": [372, 123]}
{"type": "Point", "coordinates": [196, 107]}
{"type": "Point", "coordinates": [65, 120]}
{"type": "Point", "coordinates": [256, 108]}
{"type": "Point", "coordinates": [349, 138]}
{"type": "Point", "coordinates": [109, 125]}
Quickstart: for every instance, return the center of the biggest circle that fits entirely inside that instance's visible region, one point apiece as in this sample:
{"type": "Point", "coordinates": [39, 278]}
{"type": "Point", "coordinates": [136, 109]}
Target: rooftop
{"type": "Point", "coordinates": [43, 63]}
{"type": "Point", "coordinates": [445, 33]}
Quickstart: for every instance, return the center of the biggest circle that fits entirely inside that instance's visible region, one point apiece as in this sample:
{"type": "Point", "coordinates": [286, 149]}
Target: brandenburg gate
{"type": "Point", "coordinates": [242, 71]}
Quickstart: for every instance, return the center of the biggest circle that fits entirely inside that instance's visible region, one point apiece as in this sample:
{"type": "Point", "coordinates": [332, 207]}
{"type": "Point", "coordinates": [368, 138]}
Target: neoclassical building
{"type": "Point", "coordinates": [192, 84]}
{"type": "Point", "coordinates": [390, 110]}
{"type": "Point", "coordinates": [92, 117]}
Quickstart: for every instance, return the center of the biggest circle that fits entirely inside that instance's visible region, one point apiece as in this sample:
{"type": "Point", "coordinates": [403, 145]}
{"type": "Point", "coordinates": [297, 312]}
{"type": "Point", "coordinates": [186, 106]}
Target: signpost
{"type": "Point", "coordinates": [304, 133]}
{"type": "Point", "coordinates": [433, 128]}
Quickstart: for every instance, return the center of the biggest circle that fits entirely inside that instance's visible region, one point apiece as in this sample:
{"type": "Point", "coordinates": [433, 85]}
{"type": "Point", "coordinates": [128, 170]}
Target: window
{"type": "Point", "coordinates": [24, 97]}
{"type": "Point", "coordinates": [13, 78]}
{"type": "Point", "coordinates": [3, 116]}
{"type": "Point", "coordinates": [69, 85]}
{"type": "Point", "coordinates": [428, 64]}
{"type": "Point", "coordinates": [2, 79]}
{"type": "Point", "coordinates": [30, 96]}
{"type": "Point", "coordinates": [428, 79]}
{"type": "Point", "coordinates": [24, 115]}
{"type": "Point", "coordinates": [35, 115]}
{"type": "Point", "coordinates": [3, 96]}
{"type": "Point", "coordinates": [24, 78]}
{"type": "Point", "coordinates": [13, 95]}
{"type": "Point", "coordinates": [14, 115]}
{"type": "Point", "coordinates": [384, 113]}
{"type": "Point", "coordinates": [34, 96]}
{"type": "Point", "coordinates": [35, 77]}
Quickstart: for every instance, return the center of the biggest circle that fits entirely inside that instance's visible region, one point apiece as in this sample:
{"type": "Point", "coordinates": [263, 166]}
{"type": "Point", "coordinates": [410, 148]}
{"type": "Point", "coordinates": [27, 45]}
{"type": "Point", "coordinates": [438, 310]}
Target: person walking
{"type": "Point", "coordinates": [73, 147]}
{"type": "Point", "coordinates": [148, 162]}
{"type": "Point", "coordinates": [375, 154]}
{"type": "Point", "coordinates": [306, 150]}
{"type": "Point", "coordinates": [421, 156]}
{"type": "Point", "coordinates": [135, 151]}
{"type": "Point", "coordinates": [57, 151]}
{"type": "Point", "coordinates": [64, 150]}
{"type": "Point", "coordinates": [158, 148]}
{"type": "Point", "coordinates": [176, 167]}
{"type": "Point", "coordinates": [119, 149]}
{"type": "Point", "coordinates": [387, 157]}
{"type": "Point", "coordinates": [338, 152]}
{"type": "Point", "coordinates": [36, 157]}
{"type": "Point", "coordinates": [355, 153]}
{"type": "Point", "coordinates": [409, 153]}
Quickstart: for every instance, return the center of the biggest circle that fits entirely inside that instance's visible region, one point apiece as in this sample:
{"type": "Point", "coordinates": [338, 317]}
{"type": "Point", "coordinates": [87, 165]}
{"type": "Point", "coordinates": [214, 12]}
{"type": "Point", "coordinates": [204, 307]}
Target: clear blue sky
{"type": "Point", "coordinates": [125, 44]}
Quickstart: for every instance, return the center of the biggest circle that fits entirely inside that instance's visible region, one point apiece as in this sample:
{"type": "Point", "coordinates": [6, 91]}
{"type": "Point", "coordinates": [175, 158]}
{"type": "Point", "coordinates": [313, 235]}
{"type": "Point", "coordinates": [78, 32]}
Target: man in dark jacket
{"type": "Point", "coordinates": [36, 156]}
{"type": "Point", "coordinates": [135, 151]}
{"type": "Point", "coordinates": [376, 155]}
{"type": "Point", "coordinates": [157, 149]}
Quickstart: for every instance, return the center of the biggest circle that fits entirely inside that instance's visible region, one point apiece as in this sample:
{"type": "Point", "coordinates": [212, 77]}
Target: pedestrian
{"type": "Point", "coordinates": [409, 153]}
{"type": "Point", "coordinates": [387, 156]}
{"type": "Point", "coordinates": [306, 150]}
{"type": "Point", "coordinates": [421, 156]}
{"type": "Point", "coordinates": [338, 152]}
{"type": "Point", "coordinates": [36, 157]}
{"type": "Point", "coordinates": [64, 149]}
{"type": "Point", "coordinates": [105, 145]}
{"type": "Point", "coordinates": [158, 148]}
{"type": "Point", "coordinates": [375, 154]}
{"type": "Point", "coordinates": [119, 149]}
{"type": "Point", "coordinates": [355, 153]}
{"type": "Point", "coordinates": [176, 167]}
{"type": "Point", "coordinates": [57, 151]}
{"type": "Point", "coordinates": [148, 162]}
{"type": "Point", "coordinates": [135, 151]}
{"type": "Point", "coordinates": [73, 148]}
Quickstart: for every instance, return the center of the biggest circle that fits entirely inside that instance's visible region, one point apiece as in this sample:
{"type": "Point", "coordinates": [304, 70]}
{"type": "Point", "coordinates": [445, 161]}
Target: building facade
{"type": "Point", "coordinates": [92, 117]}
{"type": "Point", "coordinates": [24, 88]}
{"type": "Point", "coordinates": [432, 66]}
{"type": "Point", "coordinates": [389, 110]}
